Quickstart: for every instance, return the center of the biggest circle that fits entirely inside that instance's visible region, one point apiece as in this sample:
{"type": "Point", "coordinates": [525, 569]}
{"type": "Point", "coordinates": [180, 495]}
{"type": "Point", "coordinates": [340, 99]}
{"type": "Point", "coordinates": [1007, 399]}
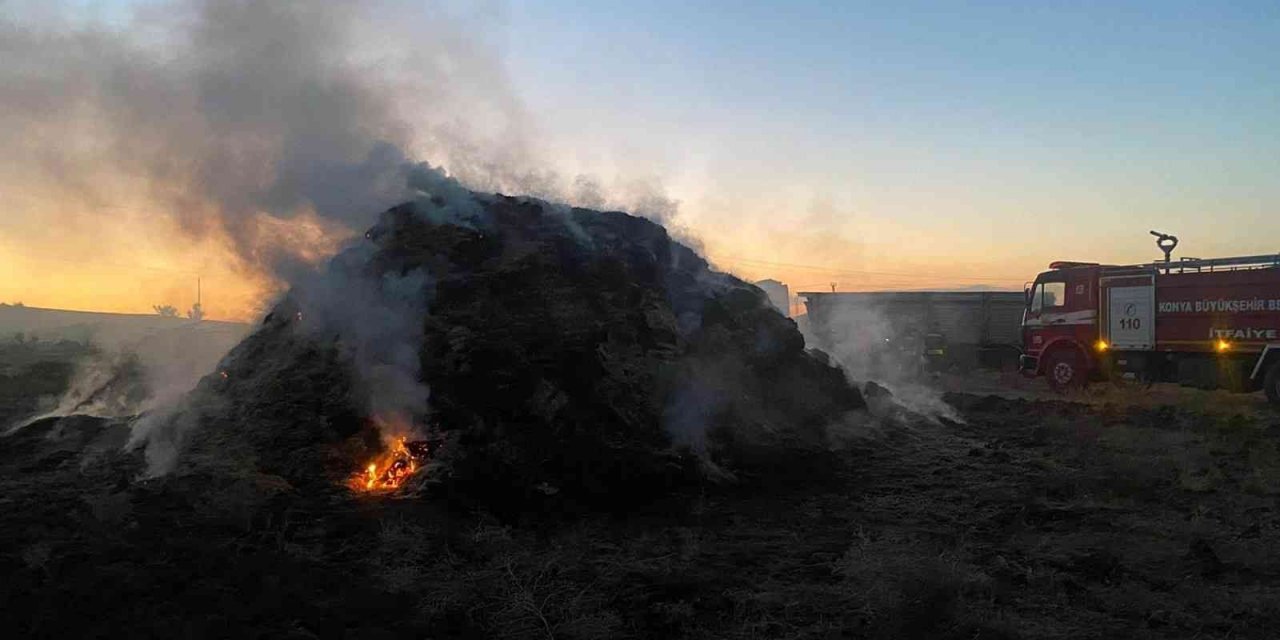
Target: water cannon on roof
{"type": "Point", "coordinates": [1167, 243]}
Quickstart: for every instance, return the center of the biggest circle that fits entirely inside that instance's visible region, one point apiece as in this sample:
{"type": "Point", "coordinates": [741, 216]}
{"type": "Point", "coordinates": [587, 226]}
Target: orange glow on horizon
{"type": "Point", "coordinates": [127, 260]}
{"type": "Point", "coordinates": [61, 273]}
{"type": "Point", "coordinates": [803, 270]}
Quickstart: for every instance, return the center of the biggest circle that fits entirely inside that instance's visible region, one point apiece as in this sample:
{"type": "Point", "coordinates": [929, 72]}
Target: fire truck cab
{"type": "Point", "coordinates": [1205, 323]}
{"type": "Point", "coordinates": [1060, 323]}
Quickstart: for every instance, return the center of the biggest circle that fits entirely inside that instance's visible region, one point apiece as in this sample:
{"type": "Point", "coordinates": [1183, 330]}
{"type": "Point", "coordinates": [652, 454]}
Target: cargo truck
{"type": "Point", "coordinates": [942, 329]}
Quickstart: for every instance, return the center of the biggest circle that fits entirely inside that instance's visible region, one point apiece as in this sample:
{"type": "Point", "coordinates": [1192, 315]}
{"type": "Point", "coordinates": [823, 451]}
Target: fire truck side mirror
{"type": "Point", "coordinates": [1026, 294]}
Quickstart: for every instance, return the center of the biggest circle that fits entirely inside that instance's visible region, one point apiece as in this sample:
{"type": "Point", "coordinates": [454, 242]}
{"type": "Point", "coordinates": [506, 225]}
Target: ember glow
{"type": "Point", "coordinates": [392, 469]}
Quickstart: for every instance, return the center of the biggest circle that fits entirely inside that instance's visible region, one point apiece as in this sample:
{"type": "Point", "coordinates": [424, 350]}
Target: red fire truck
{"type": "Point", "coordinates": [1208, 323]}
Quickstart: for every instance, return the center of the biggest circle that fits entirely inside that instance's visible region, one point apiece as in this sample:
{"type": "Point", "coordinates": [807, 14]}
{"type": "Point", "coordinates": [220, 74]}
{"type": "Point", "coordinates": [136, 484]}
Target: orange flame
{"type": "Point", "coordinates": [392, 469]}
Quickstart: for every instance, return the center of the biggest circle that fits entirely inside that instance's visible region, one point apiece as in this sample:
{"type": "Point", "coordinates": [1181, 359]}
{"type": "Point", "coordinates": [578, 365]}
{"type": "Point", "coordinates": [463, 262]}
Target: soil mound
{"type": "Point", "coordinates": [560, 352]}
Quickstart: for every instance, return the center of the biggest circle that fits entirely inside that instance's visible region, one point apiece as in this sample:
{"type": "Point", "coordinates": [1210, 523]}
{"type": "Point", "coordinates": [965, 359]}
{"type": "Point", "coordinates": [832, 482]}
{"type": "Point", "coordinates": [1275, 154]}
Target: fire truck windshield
{"type": "Point", "coordinates": [1054, 294]}
{"type": "Point", "coordinates": [1047, 295]}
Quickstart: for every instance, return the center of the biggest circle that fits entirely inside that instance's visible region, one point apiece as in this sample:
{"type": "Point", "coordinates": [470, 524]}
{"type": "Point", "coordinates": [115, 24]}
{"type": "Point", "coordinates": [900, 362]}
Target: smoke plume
{"type": "Point", "coordinates": [281, 129]}
{"type": "Point", "coordinates": [237, 115]}
{"type": "Point", "coordinates": [376, 323]}
{"type": "Point", "coordinates": [871, 346]}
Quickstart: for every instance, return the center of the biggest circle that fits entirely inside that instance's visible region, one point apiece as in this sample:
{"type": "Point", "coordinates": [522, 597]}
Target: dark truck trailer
{"type": "Point", "coordinates": [953, 329]}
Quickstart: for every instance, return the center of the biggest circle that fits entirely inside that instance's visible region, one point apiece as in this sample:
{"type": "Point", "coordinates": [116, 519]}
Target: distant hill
{"type": "Point", "coordinates": [107, 329]}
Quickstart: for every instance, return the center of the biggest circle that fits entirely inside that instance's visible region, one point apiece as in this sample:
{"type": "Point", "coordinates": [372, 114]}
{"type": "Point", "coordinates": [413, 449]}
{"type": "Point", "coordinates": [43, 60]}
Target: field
{"type": "Point", "coordinates": [44, 351]}
{"type": "Point", "coordinates": [33, 374]}
{"type": "Point", "coordinates": [1122, 513]}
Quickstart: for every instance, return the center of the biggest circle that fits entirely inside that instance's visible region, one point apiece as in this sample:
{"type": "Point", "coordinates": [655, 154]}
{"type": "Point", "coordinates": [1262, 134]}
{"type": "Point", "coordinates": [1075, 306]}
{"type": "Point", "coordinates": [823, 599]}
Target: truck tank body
{"type": "Point", "coordinates": [1199, 311]}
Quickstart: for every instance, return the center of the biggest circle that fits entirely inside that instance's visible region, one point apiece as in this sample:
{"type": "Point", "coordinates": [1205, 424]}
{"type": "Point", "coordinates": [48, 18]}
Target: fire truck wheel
{"type": "Point", "coordinates": [1272, 384]}
{"type": "Point", "coordinates": [1065, 370]}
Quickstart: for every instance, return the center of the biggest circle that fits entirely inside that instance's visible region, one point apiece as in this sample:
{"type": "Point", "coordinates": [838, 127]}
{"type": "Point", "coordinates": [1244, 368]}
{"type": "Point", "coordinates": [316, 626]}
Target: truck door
{"type": "Point", "coordinates": [1129, 307]}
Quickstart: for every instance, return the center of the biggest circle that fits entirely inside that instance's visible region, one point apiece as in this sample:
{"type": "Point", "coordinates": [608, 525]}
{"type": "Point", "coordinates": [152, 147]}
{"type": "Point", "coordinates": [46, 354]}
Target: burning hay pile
{"type": "Point", "coordinates": [518, 350]}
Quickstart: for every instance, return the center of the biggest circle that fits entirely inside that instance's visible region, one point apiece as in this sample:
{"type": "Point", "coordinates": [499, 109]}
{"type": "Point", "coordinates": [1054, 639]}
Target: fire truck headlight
{"type": "Point", "coordinates": [1223, 346]}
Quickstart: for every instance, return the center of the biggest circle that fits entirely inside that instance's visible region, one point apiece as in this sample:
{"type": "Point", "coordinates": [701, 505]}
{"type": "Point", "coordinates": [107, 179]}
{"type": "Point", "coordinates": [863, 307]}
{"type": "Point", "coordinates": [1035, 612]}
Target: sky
{"type": "Point", "coordinates": [865, 145]}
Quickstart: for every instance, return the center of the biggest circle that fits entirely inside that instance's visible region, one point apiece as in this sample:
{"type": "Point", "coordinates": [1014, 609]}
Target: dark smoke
{"type": "Point", "coordinates": [230, 110]}
{"type": "Point", "coordinates": [282, 128]}
{"type": "Point", "coordinates": [235, 113]}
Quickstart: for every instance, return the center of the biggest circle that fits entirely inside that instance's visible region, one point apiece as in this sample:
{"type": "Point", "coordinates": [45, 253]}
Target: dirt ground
{"type": "Point", "coordinates": [1013, 385]}
{"type": "Point", "coordinates": [1120, 513]}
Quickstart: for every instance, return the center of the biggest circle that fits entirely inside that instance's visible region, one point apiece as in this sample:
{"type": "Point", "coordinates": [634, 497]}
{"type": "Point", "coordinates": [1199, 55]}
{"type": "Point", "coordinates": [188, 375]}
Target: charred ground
{"type": "Point", "coordinates": [1033, 520]}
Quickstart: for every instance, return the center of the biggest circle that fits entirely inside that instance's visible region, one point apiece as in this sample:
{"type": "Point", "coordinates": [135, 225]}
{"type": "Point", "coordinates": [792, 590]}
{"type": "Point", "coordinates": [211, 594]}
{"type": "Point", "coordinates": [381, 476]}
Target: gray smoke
{"type": "Point", "coordinates": [234, 113]}
{"type": "Point", "coordinates": [230, 110]}
{"type": "Point", "coordinates": [873, 346]}
{"type": "Point", "coordinates": [282, 127]}
{"type": "Point", "coordinates": [139, 366]}
{"type": "Point", "coordinates": [271, 125]}
{"type": "Point", "coordinates": [376, 323]}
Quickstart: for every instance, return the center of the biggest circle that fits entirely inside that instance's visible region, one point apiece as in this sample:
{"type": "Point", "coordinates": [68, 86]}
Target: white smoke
{"type": "Point", "coordinates": [872, 345]}
{"type": "Point", "coordinates": [282, 128]}
{"type": "Point", "coordinates": [376, 322]}
{"type": "Point", "coordinates": [237, 114]}
{"type": "Point", "coordinates": [105, 384]}
{"type": "Point", "coordinates": [131, 372]}
{"type": "Point", "coordinates": [231, 113]}
{"type": "Point", "coordinates": [163, 432]}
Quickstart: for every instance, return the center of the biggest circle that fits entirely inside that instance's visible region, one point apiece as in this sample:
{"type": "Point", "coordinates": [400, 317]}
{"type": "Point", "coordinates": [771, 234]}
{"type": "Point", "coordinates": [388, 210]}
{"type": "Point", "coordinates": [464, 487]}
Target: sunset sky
{"type": "Point", "coordinates": [873, 145]}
